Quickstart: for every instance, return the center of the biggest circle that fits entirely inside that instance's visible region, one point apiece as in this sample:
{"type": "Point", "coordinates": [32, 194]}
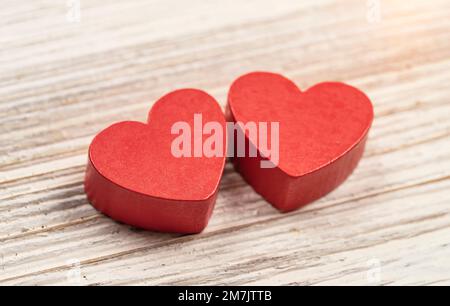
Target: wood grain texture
{"type": "Point", "coordinates": [61, 83]}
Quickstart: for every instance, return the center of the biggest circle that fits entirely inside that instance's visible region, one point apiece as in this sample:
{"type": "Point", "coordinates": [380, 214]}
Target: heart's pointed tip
{"type": "Point", "coordinates": [145, 211]}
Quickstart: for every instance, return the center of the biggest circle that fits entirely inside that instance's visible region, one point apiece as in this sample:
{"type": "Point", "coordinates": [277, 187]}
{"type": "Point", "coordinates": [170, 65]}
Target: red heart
{"type": "Point", "coordinates": [322, 134]}
{"type": "Point", "coordinates": [133, 176]}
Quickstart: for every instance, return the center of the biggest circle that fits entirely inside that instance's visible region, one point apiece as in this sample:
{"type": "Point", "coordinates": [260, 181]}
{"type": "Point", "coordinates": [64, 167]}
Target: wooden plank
{"type": "Point", "coordinates": [308, 247]}
{"type": "Point", "coordinates": [61, 83]}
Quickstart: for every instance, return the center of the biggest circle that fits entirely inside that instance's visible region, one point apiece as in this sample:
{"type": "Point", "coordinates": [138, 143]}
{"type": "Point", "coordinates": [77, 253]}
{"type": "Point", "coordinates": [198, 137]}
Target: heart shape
{"type": "Point", "coordinates": [322, 135]}
{"type": "Point", "coordinates": [134, 177]}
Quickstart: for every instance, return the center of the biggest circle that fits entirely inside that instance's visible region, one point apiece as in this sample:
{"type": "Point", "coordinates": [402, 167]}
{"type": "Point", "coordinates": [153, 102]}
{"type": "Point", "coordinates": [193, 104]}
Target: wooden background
{"type": "Point", "coordinates": [62, 82]}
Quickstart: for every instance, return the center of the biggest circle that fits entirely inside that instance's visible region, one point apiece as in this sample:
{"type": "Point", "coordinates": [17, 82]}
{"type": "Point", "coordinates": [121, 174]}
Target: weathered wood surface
{"type": "Point", "coordinates": [62, 82]}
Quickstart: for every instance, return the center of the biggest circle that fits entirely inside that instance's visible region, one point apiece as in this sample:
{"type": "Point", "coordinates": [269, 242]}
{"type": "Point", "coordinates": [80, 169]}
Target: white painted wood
{"type": "Point", "coordinates": [60, 83]}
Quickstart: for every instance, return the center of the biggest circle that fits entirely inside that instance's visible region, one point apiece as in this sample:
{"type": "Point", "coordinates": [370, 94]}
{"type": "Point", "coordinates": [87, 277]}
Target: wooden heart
{"type": "Point", "coordinates": [322, 134]}
{"type": "Point", "coordinates": [134, 177]}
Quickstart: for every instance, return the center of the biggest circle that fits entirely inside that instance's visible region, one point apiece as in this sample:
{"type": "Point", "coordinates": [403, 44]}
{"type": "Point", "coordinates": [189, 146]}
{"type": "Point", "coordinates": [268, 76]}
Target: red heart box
{"type": "Point", "coordinates": [322, 135]}
{"type": "Point", "coordinates": [133, 176]}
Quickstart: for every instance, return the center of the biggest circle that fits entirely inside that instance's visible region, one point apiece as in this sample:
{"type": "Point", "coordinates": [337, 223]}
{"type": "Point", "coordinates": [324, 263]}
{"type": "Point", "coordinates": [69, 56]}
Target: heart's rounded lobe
{"type": "Point", "coordinates": [322, 135]}
{"type": "Point", "coordinates": [134, 177]}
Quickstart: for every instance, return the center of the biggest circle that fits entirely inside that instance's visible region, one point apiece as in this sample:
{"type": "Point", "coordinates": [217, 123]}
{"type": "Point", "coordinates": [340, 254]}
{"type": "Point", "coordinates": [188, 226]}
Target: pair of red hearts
{"type": "Point", "coordinates": [133, 176]}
